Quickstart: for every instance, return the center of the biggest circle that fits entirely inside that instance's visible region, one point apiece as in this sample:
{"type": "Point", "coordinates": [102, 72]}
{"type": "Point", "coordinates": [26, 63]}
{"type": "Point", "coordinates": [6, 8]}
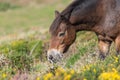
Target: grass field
{"type": "Point", "coordinates": [26, 17]}
{"type": "Point", "coordinates": [24, 39]}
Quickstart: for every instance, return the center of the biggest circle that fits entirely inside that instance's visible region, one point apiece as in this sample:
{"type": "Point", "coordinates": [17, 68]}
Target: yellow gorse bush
{"type": "Point", "coordinates": [87, 67]}
{"type": "Point", "coordinates": [4, 75]}
{"type": "Point", "coordinates": [116, 59]}
{"type": "Point", "coordinates": [16, 43]}
{"type": "Point", "coordinates": [38, 78]}
{"type": "Point", "coordinates": [67, 77]}
{"type": "Point", "coordinates": [102, 70]}
{"type": "Point", "coordinates": [72, 72]}
{"type": "Point", "coordinates": [59, 71]}
{"type": "Point", "coordinates": [114, 75]}
{"type": "Point", "coordinates": [109, 76]}
{"type": "Point", "coordinates": [60, 74]}
{"type": "Point", "coordinates": [48, 76]}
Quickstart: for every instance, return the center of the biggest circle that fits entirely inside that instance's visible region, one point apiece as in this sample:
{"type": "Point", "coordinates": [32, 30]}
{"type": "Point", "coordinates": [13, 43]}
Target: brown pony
{"type": "Point", "coordinates": [99, 16]}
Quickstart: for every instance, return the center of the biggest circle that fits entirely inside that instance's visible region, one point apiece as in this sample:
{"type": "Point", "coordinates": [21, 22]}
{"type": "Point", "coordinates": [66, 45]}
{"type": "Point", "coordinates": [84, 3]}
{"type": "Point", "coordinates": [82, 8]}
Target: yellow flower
{"type": "Point", "coordinates": [109, 76]}
{"type": "Point", "coordinates": [88, 67]}
{"type": "Point", "coordinates": [84, 69]}
{"type": "Point", "coordinates": [48, 76]}
{"type": "Point", "coordinates": [37, 78]}
{"type": "Point", "coordinates": [67, 77]}
{"type": "Point", "coordinates": [4, 75]}
{"type": "Point", "coordinates": [59, 71]}
{"type": "Point", "coordinates": [84, 79]}
{"type": "Point", "coordinates": [57, 74]}
{"type": "Point", "coordinates": [111, 65]}
{"type": "Point", "coordinates": [65, 73]}
{"type": "Point", "coordinates": [116, 59]}
{"type": "Point", "coordinates": [94, 70]}
{"type": "Point", "coordinates": [72, 72]}
{"type": "Point", "coordinates": [114, 70]}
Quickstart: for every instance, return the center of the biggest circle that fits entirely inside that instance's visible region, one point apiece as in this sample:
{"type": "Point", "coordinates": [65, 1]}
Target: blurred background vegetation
{"type": "Point", "coordinates": [24, 39]}
{"type": "Point", "coordinates": [23, 15]}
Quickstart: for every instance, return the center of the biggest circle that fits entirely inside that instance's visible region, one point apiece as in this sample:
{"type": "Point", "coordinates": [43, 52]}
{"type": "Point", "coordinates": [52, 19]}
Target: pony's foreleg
{"type": "Point", "coordinates": [117, 44]}
{"type": "Point", "coordinates": [104, 47]}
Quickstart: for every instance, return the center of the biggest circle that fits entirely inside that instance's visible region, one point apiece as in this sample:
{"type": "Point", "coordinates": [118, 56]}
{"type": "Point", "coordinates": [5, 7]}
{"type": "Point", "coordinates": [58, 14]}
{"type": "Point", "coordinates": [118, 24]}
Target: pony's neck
{"type": "Point", "coordinates": [83, 27]}
{"type": "Point", "coordinates": [93, 19]}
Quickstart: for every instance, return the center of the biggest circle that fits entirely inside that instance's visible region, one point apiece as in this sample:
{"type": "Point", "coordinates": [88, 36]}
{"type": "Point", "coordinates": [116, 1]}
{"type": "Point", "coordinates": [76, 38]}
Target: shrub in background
{"type": "Point", "coordinates": [22, 53]}
{"type": "Point", "coordinates": [5, 6]}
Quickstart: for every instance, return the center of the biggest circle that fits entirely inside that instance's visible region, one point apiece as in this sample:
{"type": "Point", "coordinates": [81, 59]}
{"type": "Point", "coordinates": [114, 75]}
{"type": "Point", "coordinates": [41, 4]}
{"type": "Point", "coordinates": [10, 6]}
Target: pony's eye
{"type": "Point", "coordinates": [61, 34]}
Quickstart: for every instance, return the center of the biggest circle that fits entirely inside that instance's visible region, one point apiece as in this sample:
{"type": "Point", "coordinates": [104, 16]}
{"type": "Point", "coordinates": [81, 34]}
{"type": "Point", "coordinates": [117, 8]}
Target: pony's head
{"type": "Point", "coordinates": [63, 34]}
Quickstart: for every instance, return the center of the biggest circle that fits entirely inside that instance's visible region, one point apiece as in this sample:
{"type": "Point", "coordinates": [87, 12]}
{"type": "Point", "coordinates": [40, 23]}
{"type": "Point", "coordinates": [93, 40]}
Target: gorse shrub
{"type": "Point", "coordinates": [61, 74]}
{"type": "Point", "coordinates": [20, 60]}
{"type": "Point", "coordinates": [109, 76]}
{"type": "Point", "coordinates": [21, 53]}
{"type": "Point", "coordinates": [19, 46]}
{"type": "Point", "coordinates": [101, 70]}
{"type": "Point", "coordinates": [36, 48]}
{"type": "Point", "coordinates": [4, 6]}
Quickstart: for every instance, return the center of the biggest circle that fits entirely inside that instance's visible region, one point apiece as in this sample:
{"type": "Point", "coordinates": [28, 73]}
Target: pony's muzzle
{"type": "Point", "coordinates": [54, 56]}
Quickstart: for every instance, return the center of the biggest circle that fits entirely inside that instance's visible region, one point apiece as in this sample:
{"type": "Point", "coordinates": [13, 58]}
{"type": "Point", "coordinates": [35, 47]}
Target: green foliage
{"type": "Point", "coordinates": [101, 70]}
{"type": "Point", "coordinates": [36, 48]}
{"type": "Point", "coordinates": [83, 48]}
{"type": "Point", "coordinates": [5, 49]}
{"type": "Point", "coordinates": [111, 62]}
{"type": "Point", "coordinates": [76, 57]}
{"type": "Point", "coordinates": [19, 53]}
{"type": "Point", "coordinates": [105, 70]}
{"type": "Point", "coordinates": [4, 6]}
{"type": "Point", "coordinates": [92, 72]}
{"type": "Point", "coordinates": [19, 46]}
{"type": "Point", "coordinates": [20, 60]}
{"type": "Point", "coordinates": [5, 74]}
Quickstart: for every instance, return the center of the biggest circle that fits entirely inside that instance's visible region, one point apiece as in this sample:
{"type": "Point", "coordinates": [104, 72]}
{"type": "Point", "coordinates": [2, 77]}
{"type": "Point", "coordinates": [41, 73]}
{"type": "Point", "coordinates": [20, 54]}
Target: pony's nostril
{"type": "Point", "coordinates": [54, 56]}
{"type": "Point", "coordinates": [50, 57]}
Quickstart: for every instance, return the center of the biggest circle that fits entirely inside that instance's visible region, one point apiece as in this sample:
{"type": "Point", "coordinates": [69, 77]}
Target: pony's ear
{"type": "Point", "coordinates": [56, 13]}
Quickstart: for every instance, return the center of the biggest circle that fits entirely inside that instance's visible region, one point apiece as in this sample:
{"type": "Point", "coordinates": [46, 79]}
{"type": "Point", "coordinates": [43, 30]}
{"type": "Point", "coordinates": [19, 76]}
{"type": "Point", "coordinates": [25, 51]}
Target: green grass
{"type": "Point", "coordinates": [83, 48]}
{"type": "Point", "coordinates": [26, 17]}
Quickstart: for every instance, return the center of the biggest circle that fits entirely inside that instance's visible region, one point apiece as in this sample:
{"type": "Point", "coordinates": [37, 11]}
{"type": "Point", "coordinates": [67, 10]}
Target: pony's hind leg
{"type": "Point", "coordinates": [104, 47]}
{"type": "Point", "coordinates": [117, 44]}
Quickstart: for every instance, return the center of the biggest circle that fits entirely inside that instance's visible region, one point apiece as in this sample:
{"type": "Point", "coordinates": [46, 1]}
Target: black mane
{"type": "Point", "coordinates": [67, 13]}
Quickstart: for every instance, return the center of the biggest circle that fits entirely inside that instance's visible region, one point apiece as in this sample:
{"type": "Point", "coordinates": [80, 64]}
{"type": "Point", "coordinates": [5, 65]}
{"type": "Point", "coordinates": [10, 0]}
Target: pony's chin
{"type": "Point", "coordinates": [54, 56]}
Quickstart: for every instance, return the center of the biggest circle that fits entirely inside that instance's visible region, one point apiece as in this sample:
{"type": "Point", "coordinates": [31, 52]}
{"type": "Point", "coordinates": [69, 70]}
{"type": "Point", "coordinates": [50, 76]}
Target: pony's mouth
{"type": "Point", "coordinates": [54, 56]}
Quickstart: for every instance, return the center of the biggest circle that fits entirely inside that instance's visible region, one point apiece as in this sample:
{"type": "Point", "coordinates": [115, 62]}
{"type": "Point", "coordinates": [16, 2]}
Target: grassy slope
{"type": "Point", "coordinates": [40, 15]}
